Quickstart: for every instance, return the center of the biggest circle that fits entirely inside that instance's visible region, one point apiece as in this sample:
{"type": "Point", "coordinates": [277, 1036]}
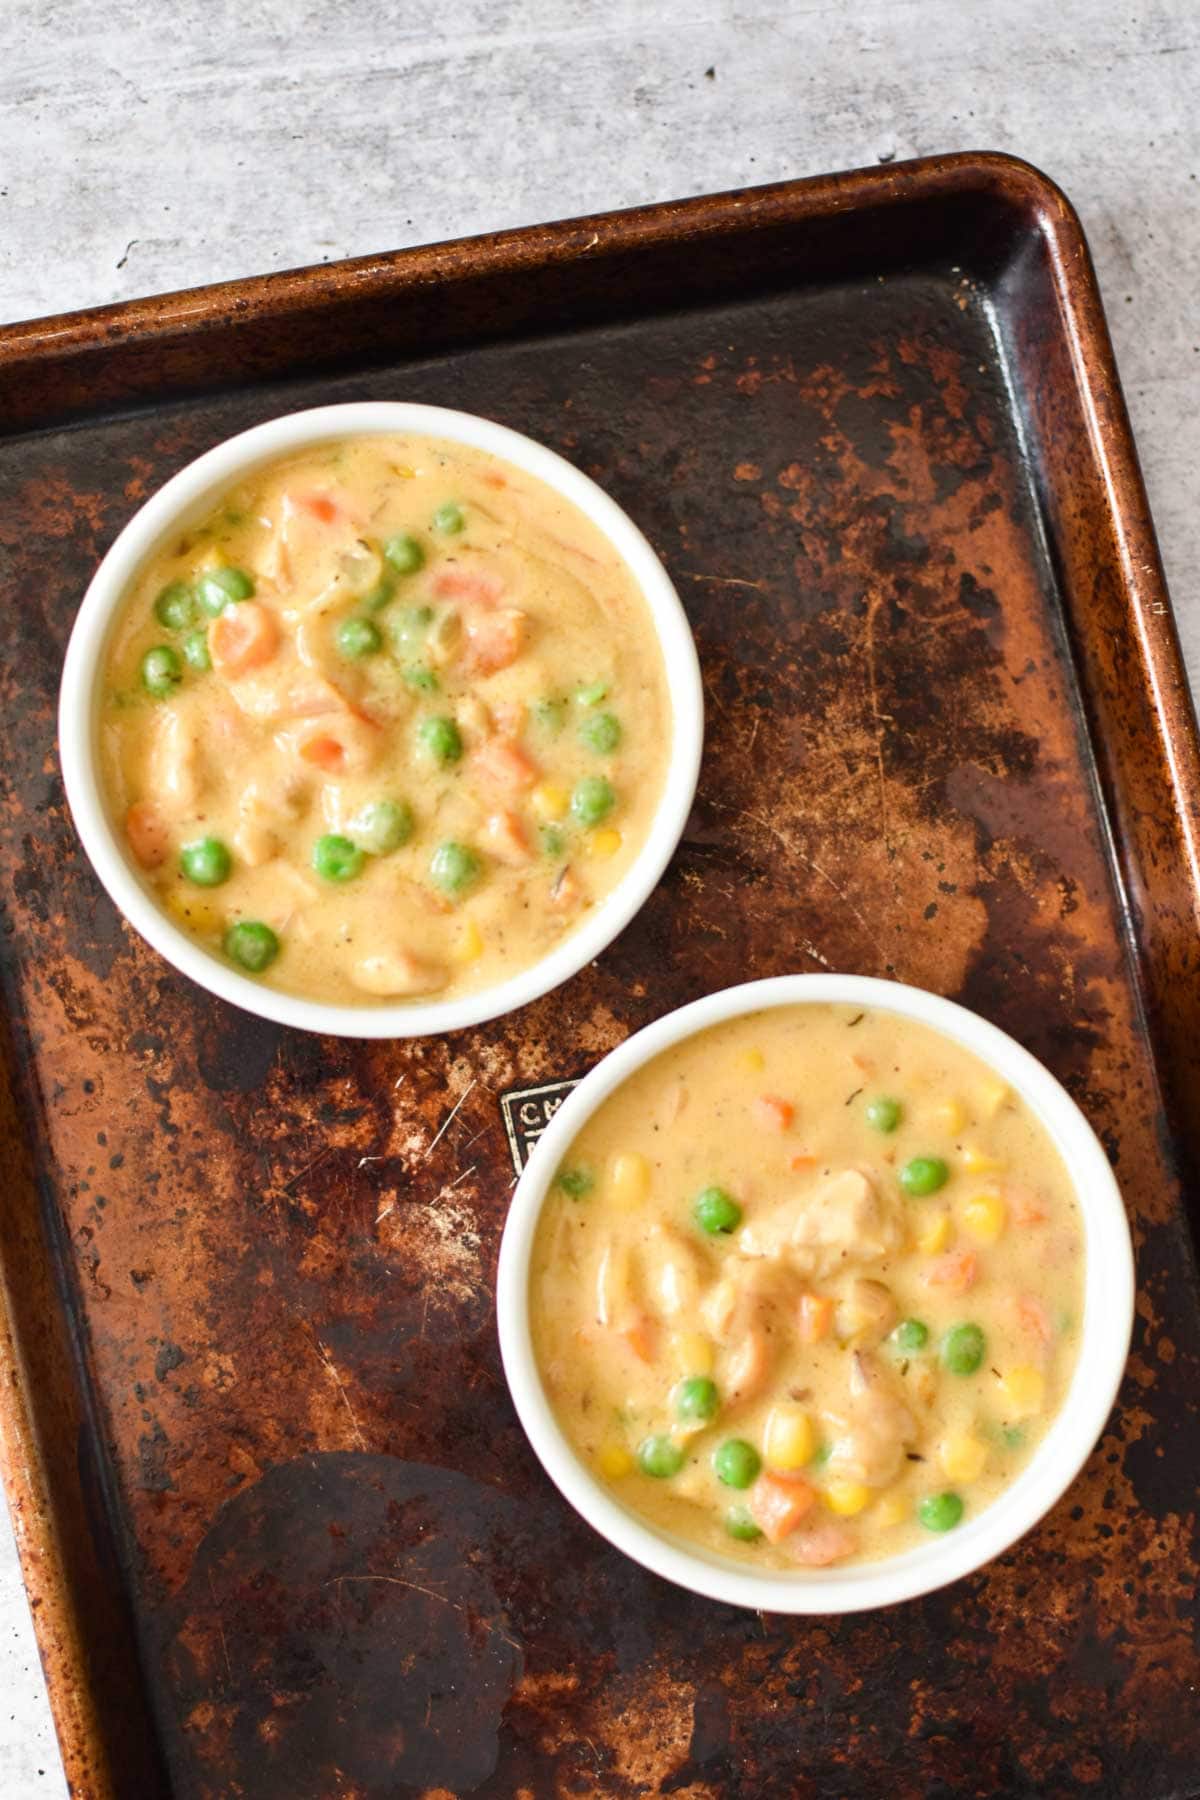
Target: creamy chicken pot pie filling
{"type": "Point", "coordinates": [808, 1287]}
{"type": "Point", "coordinates": [387, 723]}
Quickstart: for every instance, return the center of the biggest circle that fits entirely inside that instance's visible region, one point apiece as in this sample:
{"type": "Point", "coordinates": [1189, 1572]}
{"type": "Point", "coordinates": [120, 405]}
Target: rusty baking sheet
{"type": "Point", "coordinates": [281, 1530]}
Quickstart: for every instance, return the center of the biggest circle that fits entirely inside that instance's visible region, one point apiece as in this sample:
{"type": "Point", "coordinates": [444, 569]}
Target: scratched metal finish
{"type": "Point", "coordinates": [348, 1574]}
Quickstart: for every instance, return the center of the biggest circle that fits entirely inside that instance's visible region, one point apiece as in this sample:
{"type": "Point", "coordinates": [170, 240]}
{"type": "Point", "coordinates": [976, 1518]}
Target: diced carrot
{"type": "Point", "coordinates": [474, 585]}
{"type": "Point", "coordinates": [324, 752]}
{"type": "Point", "coordinates": [321, 506]}
{"type": "Point", "coordinates": [505, 766]}
{"type": "Point", "coordinates": [243, 637]}
{"type": "Point", "coordinates": [1033, 1318]}
{"type": "Point", "coordinates": [494, 640]}
{"type": "Point", "coordinates": [779, 1501]}
{"type": "Point", "coordinates": [494, 479]}
{"type": "Point", "coordinates": [821, 1545]}
{"type": "Point", "coordinates": [147, 834]}
{"type": "Point", "coordinates": [339, 746]}
{"type": "Point", "coordinates": [505, 837]}
{"type": "Point", "coordinates": [748, 1365]}
{"type": "Point", "coordinates": [640, 1336]}
{"type": "Point", "coordinates": [816, 1317]}
{"type": "Point", "coordinates": [801, 1160]}
{"type": "Point", "coordinates": [1024, 1207]}
{"type": "Point", "coordinates": [772, 1113]}
{"type": "Point", "coordinates": [956, 1271]}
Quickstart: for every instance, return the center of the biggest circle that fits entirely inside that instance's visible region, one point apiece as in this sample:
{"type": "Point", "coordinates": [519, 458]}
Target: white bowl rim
{"type": "Point", "coordinates": [1103, 1349]}
{"type": "Point", "coordinates": [187, 495]}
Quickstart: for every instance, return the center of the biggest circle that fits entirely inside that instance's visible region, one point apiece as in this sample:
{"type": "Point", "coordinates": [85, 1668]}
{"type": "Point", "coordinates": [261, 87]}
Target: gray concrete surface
{"type": "Point", "coordinates": [151, 147]}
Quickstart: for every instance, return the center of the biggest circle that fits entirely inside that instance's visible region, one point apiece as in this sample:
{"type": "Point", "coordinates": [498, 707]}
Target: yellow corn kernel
{"type": "Point", "coordinates": [847, 1497]}
{"type": "Point", "coordinates": [751, 1062]}
{"type": "Point", "coordinates": [789, 1439]}
{"type": "Point", "coordinates": [190, 910]}
{"type": "Point", "coordinates": [962, 1456]}
{"type": "Point", "coordinates": [614, 1462]}
{"type": "Point", "coordinates": [603, 844]}
{"type": "Point", "coordinates": [934, 1234]}
{"type": "Point", "coordinates": [993, 1096]}
{"type": "Point", "coordinates": [893, 1509]}
{"type": "Point", "coordinates": [628, 1179]}
{"type": "Point", "coordinates": [469, 947]}
{"type": "Point", "coordinates": [549, 801]}
{"type": "Point", "coordinates": [949, 1117]}
{"type": "Point", "coordinates": [1023, 1391]}
{"type": "Point", "coordinates": [984, 1216]}
{"type": "Point", "coordinates": [403, 471]}
{"type": "Point", "coordinates": [978, 1162]}
{"type": "Point", "coordinates": [692, 1353]}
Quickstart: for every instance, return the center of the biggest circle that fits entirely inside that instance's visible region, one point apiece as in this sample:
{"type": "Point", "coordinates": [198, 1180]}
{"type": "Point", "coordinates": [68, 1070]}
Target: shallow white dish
{"type": "Point", "coordinates": [1107, 1317]}
{"type": "Point", "coordinates": [184, 500]}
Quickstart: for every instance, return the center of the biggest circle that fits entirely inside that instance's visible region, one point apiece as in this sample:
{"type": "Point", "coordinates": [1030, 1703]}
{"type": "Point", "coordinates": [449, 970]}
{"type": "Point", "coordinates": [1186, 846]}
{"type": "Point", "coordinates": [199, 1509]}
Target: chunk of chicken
{"type": "Point", "coordinates": [744, 1312]}
{"type": "Point", "coordinates": [750, 1291]}
{"type": "Point", "coordinates": [397, 973]}
{"type": "Point", "coordinates": [314, 528]}
{"type": "Point", "coordinates": [871, 1437]}
{"type": "Point", "coordinates": [504, 836]}
{"type": "Point", "coordinates": [266, 808]}
{"type": "Point", "coordinates": [865, 1313]}
{"type": "Point", "coordinates": [672, 1272]}
{"type": "Point", "coordinates": [176, 771]}
{"type": "Point", "coordinates": [819, 1546]}
{"type": "Point", "coordinates": [828, 1229]}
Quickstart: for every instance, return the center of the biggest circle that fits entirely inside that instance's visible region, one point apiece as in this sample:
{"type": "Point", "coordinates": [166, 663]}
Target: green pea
{"type": "Point", "coordinates": [660, 1457]}
{"type": "Point", "coordinates": [440, 738]}
{"type": "Point", "coordinates": [449, 519]}
{"type": "Point", "coordinates": [1013, 1435]}
{"type": "Point", "coordinates": [576, 1182]}
{"type": "Point", "coordinates": [552, 839]}
{"type": "Point", "coordinates": [423, 679]}
{"type": "Point", "coordinates": [940, 1512]}
{"type": "Point", "coordinates": [455, 868]}
{"type": "Point", "coordinates": [382, 826]}
{"type": "Point", "coordinates": [884, 1114]}
{"type": "Point", "coordinates": [601, 733]}
{"type": "Point", "coordinates": [592, 693]}
{"type": "Point", "coordinates": [404, 553]}
{"type": "Point", "coordinates": [408, 627]}
{"type": "Point", "coordinates": [195, 651]}
{"type": "Point", "coordinates": [337, 858]}
{"type": "Point", "coordinates": [962, 1349]}
{"type": "Point", "coordinates": [176, 606]}
{"type": "Point", "coordinates": [924, 1175]}
{"type": "Point", "coordinates": [548, 715]}
{"type": "Point", "coordinates": [215, 588]}
{"type": "Point", "coordinates": [162, 671]}
{"type": "Point", "coordinates": [736, 1463]}
{"type": "Point", "coordinates": [206, 862]}
{"type": "Point", "coordinates": [356, 638]}
{"type": "Point", "coordinates": [741, 1526]}
{"type": "Point", "coordinates": [697, 1399]}
{"type": "Point", "coordinates": [592, 800]}
{"type": "Point", "coordinates": [910, 1334]}
{"type": "Point", "coordinates": [380, 594]}
{"type": "Point", "coordinates": [251, 944]}
{"type": "Point", "coordinates": [715, 1211]}
{"type": "Point", "coordinates": [821, 1456]}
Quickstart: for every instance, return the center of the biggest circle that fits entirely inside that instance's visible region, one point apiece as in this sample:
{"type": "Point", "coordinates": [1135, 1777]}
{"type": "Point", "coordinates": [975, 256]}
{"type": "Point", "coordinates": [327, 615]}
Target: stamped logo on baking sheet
{"type": "Point", "coordinates": [527, 1112]}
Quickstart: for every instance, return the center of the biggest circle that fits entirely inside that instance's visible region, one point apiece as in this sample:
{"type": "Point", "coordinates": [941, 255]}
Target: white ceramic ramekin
{"type": "Point", "coordinates": [184, 500]}
{"type": "Point", "coordinates": [1107, 1318]}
